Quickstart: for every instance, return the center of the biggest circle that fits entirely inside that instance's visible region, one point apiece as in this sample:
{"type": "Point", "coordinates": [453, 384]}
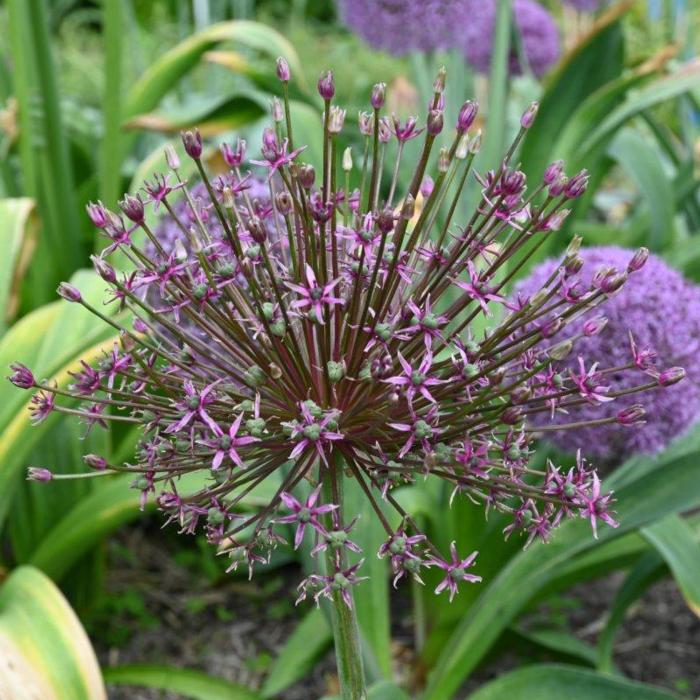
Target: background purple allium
{"type": "Point", "coordinates": [584, 5]}
{"type": "Point", "coordinates": [662, 310]}
{"type": "Point", "coordinates": [398, 26]}
{"type": "Point", "coordinates": [536, 28]}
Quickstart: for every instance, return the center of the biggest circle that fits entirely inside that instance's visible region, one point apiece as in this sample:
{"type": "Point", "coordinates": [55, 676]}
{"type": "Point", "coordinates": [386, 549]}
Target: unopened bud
{"type": "Point", "coordinates": [467, 115]}
{"type": "Point", "coordinates": [475, 143]}
{"type": "Point", "coordinates": [256, 229]}
{"type": "Point", "coordinates": [283, 72]}
{"type": "Point", "coordinates": [512, 415]}
{"type": "Point", "coordinates": [435, 121]}
{"type": "Point", "coordinates": [38, 474]}
{"type": "Point", "coordinates": [233, 157]}
{"type": "Point", "coordinates": [632, 415]}
{"type": "Point", "coordinates": [347, 159]}
{"type": "Point", "coordinates": [336, 371]}
{"type": "Point", "coordinates": [553, 172]}
{"type": "Point", "coordinates": [639, 260]}
{"type": "Point", "coordinates": [594, 326]}
{"type": "Point", "coordinates": [378, 95]}
{"type": "Point", "coordinates": [276, 110]}
{"type": "Point", "coordinates": [462, 149]}
{"type": "Point", "coordinates": [529, 115]}
{"type": "Point", "coordinates": [69, 292]}
{"type": "Point", "coordinates": [439, 82]}
{"type": "Point", "coordinates": [409, 207]}
{"type": "Point", "coordinates": [671, 376]}
{"type": "Point", "coordinates": [192, 141]}
{"type": "Point", "coordinates": [577, 185]}
{"type": "Point", "coordinates": [133, 208]}
{"type": "Point", "coordinates": [326, 85]}
{"type": "Point", "coordinates": [561, 350]}
{"type": "Point", "coordinates": [171, 157]}
{"type": "Point", "coordinates": [104, 269]}
{"type": "Point", "coordinates": [284, 203]}
{"type": "Point", "coordinates": [336, 120]}
{"type": "Point", "coordinates": [95, 462]}
{"type": "Point", "coordinates": [307, 176]}
{"type": "Point", "coordinates": [97, 214]}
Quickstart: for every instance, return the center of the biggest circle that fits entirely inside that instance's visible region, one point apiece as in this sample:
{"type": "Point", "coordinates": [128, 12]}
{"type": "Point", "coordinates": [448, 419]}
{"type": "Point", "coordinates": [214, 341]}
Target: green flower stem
{"type": "Point", "coordinates": [346, 632]}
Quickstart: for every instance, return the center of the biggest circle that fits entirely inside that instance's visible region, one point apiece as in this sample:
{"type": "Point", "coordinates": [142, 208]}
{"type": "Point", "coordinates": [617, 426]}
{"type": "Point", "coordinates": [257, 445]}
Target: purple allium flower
{"type": "Point", "coordinates": [655, 315]}
{"type": "Point", "coordinates": [285, 328]}
{"type": "Point", "coordinates": [536, 31]}
{"type": "Point", "coordinates": [585, 5]}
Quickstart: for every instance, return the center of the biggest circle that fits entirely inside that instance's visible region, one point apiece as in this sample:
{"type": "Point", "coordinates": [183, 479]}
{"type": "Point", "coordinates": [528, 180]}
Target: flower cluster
{"type": "Point", "coordinates": [657, 312]}
{"type": "Point", "coordinates": [398, 26]}
{"type": "Point", "coordinates": [316, 334]}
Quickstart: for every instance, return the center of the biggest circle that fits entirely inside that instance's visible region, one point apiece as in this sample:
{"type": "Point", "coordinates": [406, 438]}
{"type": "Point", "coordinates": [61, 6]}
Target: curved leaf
{"type": "Point", "coordinates": [309, 640]}
{"type": "Point", "coordinates": [192, 684]}
{"type": "Point", "coordinates": [44, 651]}
{"type": "Point", "coordinates": [668, 488]}
{"type": "Point", "coordinates": [552, 682]}
{"type": "Point", "coordinates": [18, 229]}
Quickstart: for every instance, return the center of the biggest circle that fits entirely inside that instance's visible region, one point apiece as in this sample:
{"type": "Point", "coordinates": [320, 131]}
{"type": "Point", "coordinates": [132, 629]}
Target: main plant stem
{"type": "Point", "coordinates": [346, 632]}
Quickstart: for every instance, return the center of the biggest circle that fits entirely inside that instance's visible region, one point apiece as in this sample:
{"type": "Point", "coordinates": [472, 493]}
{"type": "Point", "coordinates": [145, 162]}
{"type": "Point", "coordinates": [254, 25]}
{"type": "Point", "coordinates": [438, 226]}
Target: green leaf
{"type": "Point", "coordinates": [192, 684]}
{"type": "Point", "coordinates": [211, 116]}
{"type": "Point", "coordinates": [642, 163]}
{"type": "Point", "coordinates": [668, 487]}
{"type": "Point", "coordinates": [44, 651]}
{"type": "Point", "coordinates": [553, 682]}
{"type": "Point", "coordinates": [309, 640]}
{"type": "Point", "coordinates": [67, 332]}
{"type": "Point", "coordinates": [384, 690]}
{"type": "Point", "coordinates": [676, 542]}
{"type": "Point", "coordinates": [169, 69]}
{"type": "Point", "coordinates": [591, 64]}
{"type": "Point", "coordinates": [18, 229]}
{"type": "Point", "coordinates": [560, 645]}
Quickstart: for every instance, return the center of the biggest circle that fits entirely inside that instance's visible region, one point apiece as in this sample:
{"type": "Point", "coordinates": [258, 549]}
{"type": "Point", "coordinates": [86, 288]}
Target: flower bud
{"type": "Point", "coordinates": [38, 474]}
{"type": "Point", "coordinates": [558, 186]}
{"type": "Point", "coordinates": [378, 95]}
{"type": "Point", "coordinates": [336, 119]}
{"type": "Point", "coordinates": [276, 110]}
{"type": "Point", "coordinates": [326, 85]}
{"type": "Point", "coordinates": [573, 265]}
{"type": "Point", "coordinates": [254, 376]}
{"type": "Point", "coordinates": [69, 292]}
{"type": "Point", "coordinates": [561, 350]}
{"type": "Point", "coordinates": [632, 415]}
{"type": "Point", "coordinates": [475, 143]}
{"type": "Point", "coordinates": [256, 229]}
{"type": "Point", "coordinates": [553, 172]}
{"type": "Point", "coordinates": [171, 157]}
{"type": "Point", "coordinates": [427, 186]}
{"type": "Point", "coordinates": [104, 269]}
{"type": "Point", "coordinates": [384, 130]}
{"type": "Point", "coordinates": [671, 376]}
{"type": "Point", "coordinates": [444, 160]}
{"type": "Point", "coordinates": [577, 185]}
{"type": "Point", "coordinates": [385, 220]}
{"type": "Point", "coordinates": [95, 462]}
{"type": "Point", "coordinates": [347, 159]}
{"type": "Point", "coordinates": [132, 208]}
{"type": "Point", "coordinates": [408, 209]}
{"type": "Point", "coordinates": [97, 214]}
{"type": "Point", "coordinates": [336, 371]}
{"type": "Point", "coordinates": [21, 376]}
{"type": "Point", "coordinates": [284, 203]}
{"type": "Point", "coordinates": [307, 176]}
{"type": "Point", "coordinates": [467, 115]}
{"type": "Point", "coordinates": [439, 82]}
{"type": "Point", "coordinates": [283, 72]}
{"type": "Point", "coordinates": [594, 326]}
{"type": "Point", "coordinates": [366, 123]}
{"type": "Point", "coordinates": [529, 115]}
{"type": "Point", "coordinates": [639, 260]}
{"type": "Point", "coordinates": [192, 141]}
{"type": "Point", "coordinates": [435, 121]}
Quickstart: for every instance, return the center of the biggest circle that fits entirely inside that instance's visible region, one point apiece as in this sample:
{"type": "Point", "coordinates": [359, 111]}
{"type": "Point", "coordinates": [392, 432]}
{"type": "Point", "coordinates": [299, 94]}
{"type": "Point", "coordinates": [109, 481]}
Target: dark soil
{"type": "Point", "coordinates": [161, 608]}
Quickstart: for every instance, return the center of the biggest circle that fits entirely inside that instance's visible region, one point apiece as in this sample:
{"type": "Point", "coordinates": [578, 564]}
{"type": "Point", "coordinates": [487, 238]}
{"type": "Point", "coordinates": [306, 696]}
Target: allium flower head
{"type": "Point", "coordinates": [536, 31]}
{"type": "Point", "coordinates": [277, 327]}
{"type": "Point", "coordinates": [654, 317]}
{"type": "Point", "coordinates": [585, 5]}
{"type": "Point", "coordinates": [400, 26]}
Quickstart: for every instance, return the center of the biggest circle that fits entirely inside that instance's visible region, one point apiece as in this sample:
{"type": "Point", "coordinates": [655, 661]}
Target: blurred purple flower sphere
{"type": "Point", "coordinates": [399, 26]}
{"type": "Point", "coordinates": [662, 309]}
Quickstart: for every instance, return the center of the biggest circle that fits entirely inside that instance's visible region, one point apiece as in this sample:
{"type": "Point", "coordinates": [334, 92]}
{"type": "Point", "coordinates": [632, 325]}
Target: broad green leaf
{"type": "Point", "coordinates": [188, 683]}
{"type": "Point", "coordinates": [384, 690]}
{"type": "Point", "coordinates": [676, 542]}
{"type": "Point", "coordinates": [668, 488]}
{"type": "Point", "coordinates": [50, 341]}
{"type": "Point", "coordinates": [167, 71]}
{"type": "Point", "coordinates": [44, 651]}
{"type": "Point", "coordinates": [309, 640]}
{"type": "Point", "coordinates": [642, 164]}
{"type": "Point", "coordinates": [591, 64]}
{"type": "Point", "coordinates": [18, 229]}
{"type": "Point", "coordinates": [558, 644]}
{"type": "Point", "coordinates": [553, 682]}
{"type": "Point", "coordinates": [211, 116]}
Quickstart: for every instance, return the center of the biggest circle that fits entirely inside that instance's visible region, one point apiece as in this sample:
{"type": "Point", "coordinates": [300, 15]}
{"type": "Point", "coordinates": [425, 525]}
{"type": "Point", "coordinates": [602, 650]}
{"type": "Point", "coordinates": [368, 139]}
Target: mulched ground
{"type": "Point", "coordinates": [161, 609]}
